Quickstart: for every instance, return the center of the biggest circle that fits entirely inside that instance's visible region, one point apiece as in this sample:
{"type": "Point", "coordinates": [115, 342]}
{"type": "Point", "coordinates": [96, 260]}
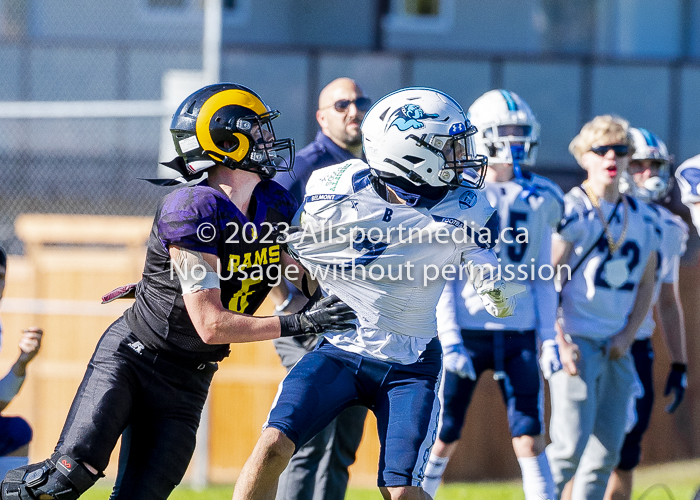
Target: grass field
{"type": "Point", "coordinates": [673, 481]}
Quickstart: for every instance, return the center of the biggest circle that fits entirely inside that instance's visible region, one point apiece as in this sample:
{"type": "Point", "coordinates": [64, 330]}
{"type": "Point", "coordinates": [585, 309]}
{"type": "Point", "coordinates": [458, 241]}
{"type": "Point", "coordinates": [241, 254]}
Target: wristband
{"type": "Point", "coordinates": [284, 304]}
{"type": "Point", "coordinates": [679, 367]}
{"type": "Point", "coordinates": [290, 326]}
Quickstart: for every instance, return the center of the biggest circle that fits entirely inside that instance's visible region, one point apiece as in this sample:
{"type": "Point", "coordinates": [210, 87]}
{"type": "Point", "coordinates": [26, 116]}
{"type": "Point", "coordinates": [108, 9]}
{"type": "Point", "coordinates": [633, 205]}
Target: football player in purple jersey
{"type": "Point", "coordinates": [211, 260]}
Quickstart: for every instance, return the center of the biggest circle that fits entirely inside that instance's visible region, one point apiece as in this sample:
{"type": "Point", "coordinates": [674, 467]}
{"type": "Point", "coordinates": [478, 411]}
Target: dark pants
{"type": "Point", "coordinates": [319, 469]}
{"type": "Point", "coordinates": [514, 354]}
{"type": "Point", "coordinates": [643, 356]}
{"type": "Point", "coordinates": [161, 402]}
{"type": "Point", "coordinates": [329, 380]}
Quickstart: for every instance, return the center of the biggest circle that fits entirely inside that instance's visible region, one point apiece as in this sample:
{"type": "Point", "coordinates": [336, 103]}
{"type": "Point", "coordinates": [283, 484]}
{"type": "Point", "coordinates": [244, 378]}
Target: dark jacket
{"type": "Point", "coordinates": [321, 152]}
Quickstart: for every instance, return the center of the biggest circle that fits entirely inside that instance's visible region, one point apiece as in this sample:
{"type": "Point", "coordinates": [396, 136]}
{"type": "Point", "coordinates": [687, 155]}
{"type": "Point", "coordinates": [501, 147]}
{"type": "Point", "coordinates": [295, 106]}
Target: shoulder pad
{"type": "Point", "coordinates": [548, 185]}
{"type": "Point", "coordinates": [335, 179]}
{"type": "Point", "coordinates": [688, 177]}
{"type": "Point", "coordinates": [183, 211]}
{"type": "Point", "coordinates": [469, 206]}
{"type": "Point", "coordinates": [671, 219]}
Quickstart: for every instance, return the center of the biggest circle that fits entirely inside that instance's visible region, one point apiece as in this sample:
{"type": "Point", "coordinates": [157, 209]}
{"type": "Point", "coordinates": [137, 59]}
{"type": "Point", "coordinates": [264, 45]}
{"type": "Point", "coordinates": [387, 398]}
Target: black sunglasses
{"type": "Point", "coordinates": [361, 103]}
{"type": "Point", "coordinates": [620, 149]}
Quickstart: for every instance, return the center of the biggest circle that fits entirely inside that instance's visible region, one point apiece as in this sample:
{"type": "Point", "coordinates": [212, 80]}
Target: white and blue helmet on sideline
{"type": "Point", "coordinates": [648, 146]}
{"type": "Point", "coordinates": [422, 135]}
{"type": "Point", "coordinates": [508, 129]}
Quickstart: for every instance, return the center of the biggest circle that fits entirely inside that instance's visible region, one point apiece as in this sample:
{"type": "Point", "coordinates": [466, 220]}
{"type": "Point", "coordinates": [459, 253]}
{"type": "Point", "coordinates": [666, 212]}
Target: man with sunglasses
{"type": "Point", "coordinates": [609, 241]}
{"type": "Point", "coordinates": [341, 108]}
{"type": "Point", "coordinates": [319, 470]}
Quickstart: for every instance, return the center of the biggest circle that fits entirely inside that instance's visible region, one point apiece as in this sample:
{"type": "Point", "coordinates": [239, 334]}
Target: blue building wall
{"type": "Point", "coordinates": [569, 59]}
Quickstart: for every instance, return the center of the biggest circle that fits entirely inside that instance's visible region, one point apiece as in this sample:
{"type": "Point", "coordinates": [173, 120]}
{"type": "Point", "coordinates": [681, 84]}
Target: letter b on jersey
{"type": "Point", "coordinates": [387, 215]}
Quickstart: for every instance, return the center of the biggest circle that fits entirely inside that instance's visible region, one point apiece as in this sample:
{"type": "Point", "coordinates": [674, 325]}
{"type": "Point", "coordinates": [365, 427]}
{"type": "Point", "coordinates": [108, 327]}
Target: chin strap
{"type": "Point", "coordinates": [411, 199]}
{"type": "Point", "coordinates": [179, 165]}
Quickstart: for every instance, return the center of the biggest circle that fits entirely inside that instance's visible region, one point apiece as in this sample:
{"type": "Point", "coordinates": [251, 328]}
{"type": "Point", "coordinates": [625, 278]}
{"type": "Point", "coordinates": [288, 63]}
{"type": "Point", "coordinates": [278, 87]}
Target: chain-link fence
{"type": "Point", "coordinates": [62, 159]}
{"type": "Point", "coordinates": [72, 180]}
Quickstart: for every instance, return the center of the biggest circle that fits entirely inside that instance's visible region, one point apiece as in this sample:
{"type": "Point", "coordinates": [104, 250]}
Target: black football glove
{"type": "Point", "coordinates": [327, 314]}
{"type": "Point", "coordinates": [282, 232]}
{"type": "Point", "coordinates": [677, 382]}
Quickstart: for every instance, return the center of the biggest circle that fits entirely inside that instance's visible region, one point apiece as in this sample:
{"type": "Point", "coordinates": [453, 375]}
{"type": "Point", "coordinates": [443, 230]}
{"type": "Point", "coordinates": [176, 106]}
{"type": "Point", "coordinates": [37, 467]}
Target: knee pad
{"type": "Point", "coordinates": [58, 478]}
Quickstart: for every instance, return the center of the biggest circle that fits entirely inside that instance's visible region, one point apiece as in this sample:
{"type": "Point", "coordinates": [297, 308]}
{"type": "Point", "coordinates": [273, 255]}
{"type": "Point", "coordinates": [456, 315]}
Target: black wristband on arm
{"type": "Point", "coordinates": [290, 326]}
{"type": "Point", "coordinates": [679, 367]}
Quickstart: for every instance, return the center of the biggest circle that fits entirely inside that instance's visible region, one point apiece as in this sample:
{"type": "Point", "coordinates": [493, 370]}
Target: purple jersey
{"type": "Point", "coordinates": [202, 219]}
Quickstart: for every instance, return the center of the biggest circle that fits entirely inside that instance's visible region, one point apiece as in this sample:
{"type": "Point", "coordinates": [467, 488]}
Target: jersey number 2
{"type": "Point", "coordinates": [629, 250]}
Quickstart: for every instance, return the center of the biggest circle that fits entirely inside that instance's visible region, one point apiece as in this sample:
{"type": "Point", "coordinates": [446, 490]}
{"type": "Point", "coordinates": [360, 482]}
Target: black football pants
{"type": "Point", "coordinates": [161, 403]}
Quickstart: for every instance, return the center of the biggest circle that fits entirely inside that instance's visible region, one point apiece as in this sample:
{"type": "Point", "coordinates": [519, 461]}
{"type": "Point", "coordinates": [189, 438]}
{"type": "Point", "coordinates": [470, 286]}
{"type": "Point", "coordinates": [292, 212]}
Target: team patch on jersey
{"type": "Point", "coordinates": [467, 200]}
{"type": "Point", "coordinates": [332, 179]}
{"type": "Point", "coordinates": [324, 197]}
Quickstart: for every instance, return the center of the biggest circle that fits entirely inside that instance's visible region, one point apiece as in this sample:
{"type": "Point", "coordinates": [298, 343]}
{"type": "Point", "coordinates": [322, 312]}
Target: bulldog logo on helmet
{"type": "Point", "coordinates": [409, 116]}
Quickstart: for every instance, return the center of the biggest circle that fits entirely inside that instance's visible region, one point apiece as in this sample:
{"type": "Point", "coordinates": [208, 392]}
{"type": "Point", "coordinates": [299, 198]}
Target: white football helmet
{"type": "Point", "coordinates": [648, 146]}
{"type": "Point", "coordinates": [422, 135]}
{"type": "Point", "coordinates": [508, 129]}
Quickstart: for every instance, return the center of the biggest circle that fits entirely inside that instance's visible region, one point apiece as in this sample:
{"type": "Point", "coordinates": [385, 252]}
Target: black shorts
{"type": "Point", "coordinates": [161, 403]}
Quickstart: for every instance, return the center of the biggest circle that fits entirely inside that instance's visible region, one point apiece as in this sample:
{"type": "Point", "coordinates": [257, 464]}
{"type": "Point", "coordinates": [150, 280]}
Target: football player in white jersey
{"type": "Point", "coordinates": [648, 178]}
{"type": "Point", "coordinates": [385, 236]}
{"type": "Point", "coordinates": [688, 177]}
{"type": "Point", "coordinates": [610, 241]}
{"type": "Point", "coordinates": [529, 208]}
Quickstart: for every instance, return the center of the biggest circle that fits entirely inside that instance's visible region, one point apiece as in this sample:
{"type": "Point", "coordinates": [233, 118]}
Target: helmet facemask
{"type": "Point", "coordinates": [649, 152]}
{"type": "Point", "coordinates": [508, 130]}
{"type": "Point", "coordinates": [655, 187]}
{"type": "Point", "coordinates": [460, 165]}
{"type": "Point", "coordinates": [266, 156]}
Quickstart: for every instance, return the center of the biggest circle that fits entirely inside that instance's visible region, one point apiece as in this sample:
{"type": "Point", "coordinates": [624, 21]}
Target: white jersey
{"type": "Point", "coordinates": [688, 177]}
{"type": "Point", "coordinates": [674, 235]}
{"type": "Point", "coordinates": [529, 210]}
{"type": "Point", "coordinates": [389, 262]}
{"type": "Point", "coordinates": [597, 300]}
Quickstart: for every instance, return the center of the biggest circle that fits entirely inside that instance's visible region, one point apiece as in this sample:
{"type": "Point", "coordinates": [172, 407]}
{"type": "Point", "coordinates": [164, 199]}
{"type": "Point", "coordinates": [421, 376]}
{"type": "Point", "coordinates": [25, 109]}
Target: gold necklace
{"type": "Point", "coordinates": [612, 244]}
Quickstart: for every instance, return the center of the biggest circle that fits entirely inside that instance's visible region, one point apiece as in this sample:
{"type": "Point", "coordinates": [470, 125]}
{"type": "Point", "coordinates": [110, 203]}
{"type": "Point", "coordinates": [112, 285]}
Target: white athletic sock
{"type": "Point", "coordinates": [433, 473]}
{"type": "Point", "coordinates": [537, 478]}
{"type": "Point", "coordinates": [9, 463]}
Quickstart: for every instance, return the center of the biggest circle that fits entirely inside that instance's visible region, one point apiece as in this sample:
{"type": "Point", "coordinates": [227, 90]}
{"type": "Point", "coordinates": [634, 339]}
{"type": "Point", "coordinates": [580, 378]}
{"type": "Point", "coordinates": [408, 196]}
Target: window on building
{"type": "Point", "coordinates": [13, 19]}
{"type": "Point", "coordinates": [167, 3]}
{"type": "Point", "coordinates": [568, 26]}
{"type": "Point", "coordinates": [419, 15]}
{"type": "Point", "coordinates": [229, 4]}
{"type": "Point", "coordinates": [422, 7]}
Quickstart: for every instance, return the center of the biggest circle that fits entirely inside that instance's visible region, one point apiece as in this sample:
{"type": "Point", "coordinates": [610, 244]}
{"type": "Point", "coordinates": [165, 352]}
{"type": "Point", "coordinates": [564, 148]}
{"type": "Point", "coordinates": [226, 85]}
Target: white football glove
{"type": "Point", "coordinates": [456, 359]}
{"type": "Point", "coordinates": [549, 359]}
{"type": "Point", "coordinates": [499, 297]}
